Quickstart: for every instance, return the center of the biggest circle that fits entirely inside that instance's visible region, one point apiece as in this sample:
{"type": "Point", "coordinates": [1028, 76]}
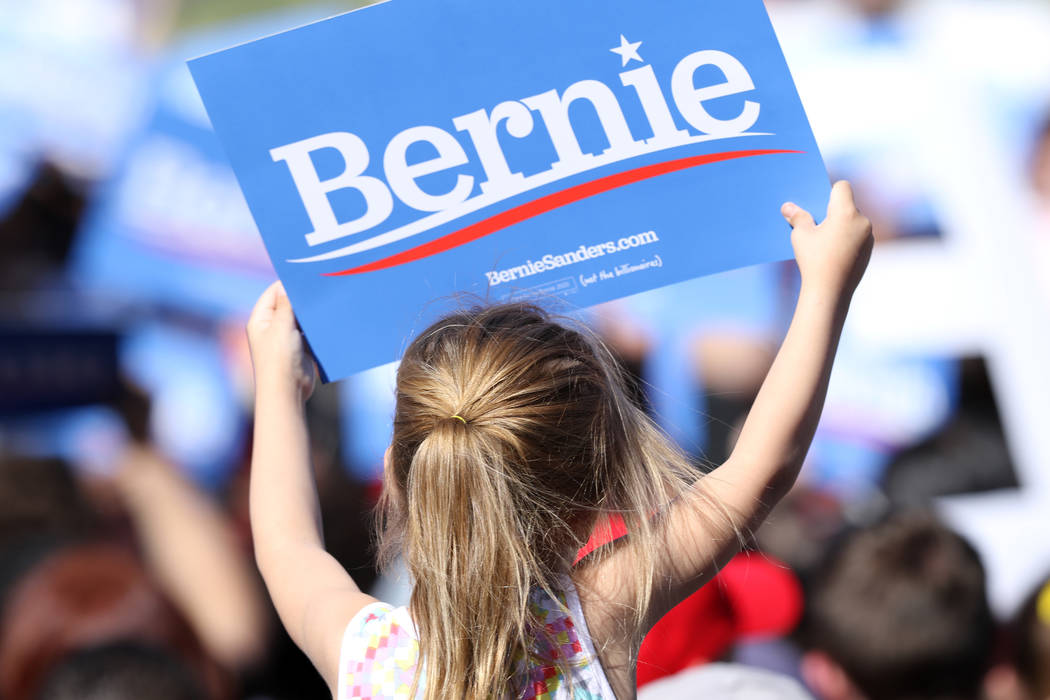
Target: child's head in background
{"type": "Point", "coordinates": [899, 612]}
{"type": "Point", "coordinates": [513, 439]}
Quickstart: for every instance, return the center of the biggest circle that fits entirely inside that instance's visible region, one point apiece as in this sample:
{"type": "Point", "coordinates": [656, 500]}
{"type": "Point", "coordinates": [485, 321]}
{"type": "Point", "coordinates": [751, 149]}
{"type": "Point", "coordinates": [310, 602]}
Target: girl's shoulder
{"type": "Point", "coordinates": [379, 654]}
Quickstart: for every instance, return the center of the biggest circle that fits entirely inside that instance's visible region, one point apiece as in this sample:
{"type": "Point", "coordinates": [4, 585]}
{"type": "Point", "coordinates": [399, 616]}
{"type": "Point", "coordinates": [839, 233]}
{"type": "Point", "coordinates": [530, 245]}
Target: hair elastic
{"type": "Point", "coordinates": [459, 418]}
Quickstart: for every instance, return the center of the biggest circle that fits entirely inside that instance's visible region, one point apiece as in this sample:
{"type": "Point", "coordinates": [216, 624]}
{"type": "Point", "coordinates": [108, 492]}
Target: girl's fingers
{"type": "Point", "coordinates": [282, 295]}
{"type": "Point", "coordinates": [796, 215]}
{"type": "Point", "coordinates": [284, 306]}
{"type": "Point", "coordinates": [267, 302]}
{"type": "Point", "coordinates": [841, 200]}
{"type": "Point", "coordinates": [273, 303]}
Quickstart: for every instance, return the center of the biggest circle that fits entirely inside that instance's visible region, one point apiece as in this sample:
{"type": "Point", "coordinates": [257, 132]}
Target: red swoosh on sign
{"type": "Point", "coordinates": [544, 204]}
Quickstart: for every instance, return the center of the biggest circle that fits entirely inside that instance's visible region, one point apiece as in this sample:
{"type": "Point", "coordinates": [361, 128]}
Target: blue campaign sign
{"type": "Point", "coordinates": [581, 151]}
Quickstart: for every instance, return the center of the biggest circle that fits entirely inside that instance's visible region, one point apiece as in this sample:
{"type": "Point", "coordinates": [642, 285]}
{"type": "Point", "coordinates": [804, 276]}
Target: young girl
{"type": "Point", "coordinates": [514, 443]}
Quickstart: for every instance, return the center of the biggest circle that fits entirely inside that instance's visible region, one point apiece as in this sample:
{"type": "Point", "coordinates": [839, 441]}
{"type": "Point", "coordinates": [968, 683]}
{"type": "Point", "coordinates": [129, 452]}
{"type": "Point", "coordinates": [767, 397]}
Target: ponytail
{"type": "Point", "coordinates": [473, 562]}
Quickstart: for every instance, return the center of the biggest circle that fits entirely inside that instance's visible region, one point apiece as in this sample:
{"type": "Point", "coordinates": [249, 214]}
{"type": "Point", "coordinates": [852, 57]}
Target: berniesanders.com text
{"type": "Point", "coordinates": [584, 253]}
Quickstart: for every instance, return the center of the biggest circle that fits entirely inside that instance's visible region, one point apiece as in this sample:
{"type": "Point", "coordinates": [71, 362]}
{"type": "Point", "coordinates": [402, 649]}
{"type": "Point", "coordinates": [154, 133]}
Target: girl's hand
{"type": "Point", "coordinates": [278, 352]}
{"type": "Point", "coordinates": [833, 255]}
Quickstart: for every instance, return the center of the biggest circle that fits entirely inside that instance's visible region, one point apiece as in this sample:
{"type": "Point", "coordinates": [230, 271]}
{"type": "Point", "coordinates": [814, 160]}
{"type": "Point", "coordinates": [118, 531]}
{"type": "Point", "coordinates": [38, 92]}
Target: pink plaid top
{"type": "Point", "coordinates": [380, 652]}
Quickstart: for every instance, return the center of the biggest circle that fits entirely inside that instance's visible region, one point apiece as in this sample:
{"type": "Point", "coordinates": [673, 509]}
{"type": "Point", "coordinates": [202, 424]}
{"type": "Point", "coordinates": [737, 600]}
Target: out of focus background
{"type": "Point", "coordinates": [916, 544]}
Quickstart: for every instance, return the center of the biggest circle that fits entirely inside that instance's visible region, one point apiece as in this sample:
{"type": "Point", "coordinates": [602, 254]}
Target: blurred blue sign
{"type": "Point", "coordinates": [171, 227]}
{"type": "Point", "coordinates": [579, 151]}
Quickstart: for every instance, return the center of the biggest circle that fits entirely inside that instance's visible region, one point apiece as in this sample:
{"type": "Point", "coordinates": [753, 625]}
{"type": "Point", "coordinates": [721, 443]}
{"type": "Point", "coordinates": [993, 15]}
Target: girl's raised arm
{"type": "Point", "coordinates": [313, 594]}
{"type": "Point", "coordinates": [702, 529]}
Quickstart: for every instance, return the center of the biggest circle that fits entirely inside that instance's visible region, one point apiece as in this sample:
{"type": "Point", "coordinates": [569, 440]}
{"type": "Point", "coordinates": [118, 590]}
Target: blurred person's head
{"type": "Point", "coordinates": [36, 235]}
{"type": "Point", "coordinates": [121, 671]}
{"type": "Point", "coordinates": [84, 596]}
{"type": "Point", "coordinates": [899, 612]}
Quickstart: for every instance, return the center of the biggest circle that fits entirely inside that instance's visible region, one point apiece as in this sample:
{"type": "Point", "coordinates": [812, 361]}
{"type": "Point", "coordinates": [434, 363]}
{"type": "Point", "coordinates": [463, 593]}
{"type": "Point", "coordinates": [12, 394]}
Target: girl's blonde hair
{"type": "Point", "coordinates": [513, 439]}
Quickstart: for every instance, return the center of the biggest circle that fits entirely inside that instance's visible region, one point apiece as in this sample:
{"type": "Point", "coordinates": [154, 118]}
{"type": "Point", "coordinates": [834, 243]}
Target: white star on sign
{"type": "Point", "coordinates": [628, 51]}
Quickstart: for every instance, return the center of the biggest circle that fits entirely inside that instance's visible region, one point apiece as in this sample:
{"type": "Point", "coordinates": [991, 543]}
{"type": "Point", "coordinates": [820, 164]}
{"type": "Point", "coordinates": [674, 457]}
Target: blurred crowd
{"type": "Point", "coordinates": [911, 561]}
